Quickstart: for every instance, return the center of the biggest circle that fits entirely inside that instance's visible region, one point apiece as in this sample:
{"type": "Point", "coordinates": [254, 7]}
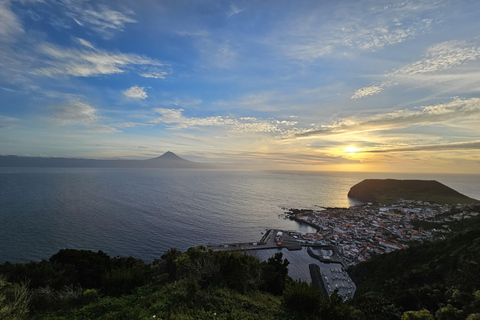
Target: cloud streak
{"type": "Point", "coordinates": [77, 113]}
{"type": "Point", "coordinates": [437, 58]}
{"type": "Point", "coordinates": [89, 61]}
{"type": "Point", "coordinates": [92, 15]}
{"type": "Point", "coordinates": [7, 122]}
{"type": "Point", "coordinates": [9, 24]}
{"type": "Point", "coordinates": [458, 146]}
{"type": "Point", "coordinates": [176, 120]}
{"type": "Point", "coordinates": [427, 115]}
{"type": "Point", "coordinates": [365, 27]}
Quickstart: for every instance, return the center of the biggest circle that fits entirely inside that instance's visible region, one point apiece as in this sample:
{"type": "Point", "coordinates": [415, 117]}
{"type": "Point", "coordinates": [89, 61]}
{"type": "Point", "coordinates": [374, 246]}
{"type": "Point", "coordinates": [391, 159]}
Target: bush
{"type": "Point", "coordinates": [302, 298]}
{"type": "Point", "coordinates": [14, 300]}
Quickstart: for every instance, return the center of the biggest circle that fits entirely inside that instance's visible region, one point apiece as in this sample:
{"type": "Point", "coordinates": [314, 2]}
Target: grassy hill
{"type": "Point", "coordinates": [441, 277]}
{"type": "Point", "coordinates": [390, 190]}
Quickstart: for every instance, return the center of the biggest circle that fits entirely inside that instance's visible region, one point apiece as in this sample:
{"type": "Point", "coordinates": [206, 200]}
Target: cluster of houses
{"type": "Point", "coordinates": [367, 229]}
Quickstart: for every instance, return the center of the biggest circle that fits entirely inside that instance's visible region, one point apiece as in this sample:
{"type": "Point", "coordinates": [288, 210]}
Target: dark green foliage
{"type": "Point", "coordinates": [302, 298]}
{"type": "Point", "coordinates": [441, 277]}
{"type": "Point", "coordinates": [376, 306]}
{"type": "Point", "coordinates": [124, 275]}
{"type": "Point", "coordinates": [167, 262]}
{"type": "Point", "coordinates": [196, 284]}
{"type": "Point", "coordinates": [275, 273]}
{"type": "Point", "coordinates": [88, 266]}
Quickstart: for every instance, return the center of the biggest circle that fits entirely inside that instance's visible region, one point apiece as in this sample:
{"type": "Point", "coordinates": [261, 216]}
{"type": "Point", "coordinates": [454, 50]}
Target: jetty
{"type": "Point", "coordinates": [272, 239]}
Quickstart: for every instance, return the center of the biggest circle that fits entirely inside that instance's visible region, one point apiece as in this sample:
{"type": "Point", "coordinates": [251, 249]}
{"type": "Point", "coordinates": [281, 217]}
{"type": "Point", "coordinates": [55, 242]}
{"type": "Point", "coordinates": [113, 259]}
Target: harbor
{"type": "Point", "coordinates": [311, 262]}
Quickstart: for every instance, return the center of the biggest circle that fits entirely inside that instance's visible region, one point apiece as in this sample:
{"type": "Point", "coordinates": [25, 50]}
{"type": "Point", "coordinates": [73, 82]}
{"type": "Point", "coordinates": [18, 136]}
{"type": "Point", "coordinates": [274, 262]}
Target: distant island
{"type": "Point", "coordinates": [167, 160]}
{"type": "Point", "coordinates": [387, 191]}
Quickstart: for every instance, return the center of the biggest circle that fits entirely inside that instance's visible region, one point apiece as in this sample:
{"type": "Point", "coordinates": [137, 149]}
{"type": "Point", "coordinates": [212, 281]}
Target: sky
{"type": "Point", "coordinates": [306, 85]}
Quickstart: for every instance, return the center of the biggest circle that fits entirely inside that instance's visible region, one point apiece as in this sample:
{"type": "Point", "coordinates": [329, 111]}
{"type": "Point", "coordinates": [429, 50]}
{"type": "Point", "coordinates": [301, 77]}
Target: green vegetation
{"type": "Point", "coordinates": [439, 277]}
{"type": "Point", "coordinates": [196, 284]}
{"type": "Point", "coordinates": [435, 280]}
{"type": "Point", "coordinates": [388, 191]}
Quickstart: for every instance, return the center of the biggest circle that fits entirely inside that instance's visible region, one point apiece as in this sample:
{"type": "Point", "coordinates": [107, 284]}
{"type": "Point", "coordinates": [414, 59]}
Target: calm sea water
{"type": "Point", "coordinates": [144, 212]}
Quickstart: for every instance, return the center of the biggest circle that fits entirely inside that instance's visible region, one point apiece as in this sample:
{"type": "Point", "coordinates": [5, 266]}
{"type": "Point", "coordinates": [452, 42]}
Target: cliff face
{"type": "Point", "coordinates": [389, 190]}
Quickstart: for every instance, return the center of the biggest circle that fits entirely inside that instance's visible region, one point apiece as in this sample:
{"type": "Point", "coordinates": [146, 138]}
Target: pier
{"type": "Point", "coordinates": [267, 242]}
{"type": "Point", "coordinates": [328, 273]}
{"type": "Point", "coordinates": [275, 239]}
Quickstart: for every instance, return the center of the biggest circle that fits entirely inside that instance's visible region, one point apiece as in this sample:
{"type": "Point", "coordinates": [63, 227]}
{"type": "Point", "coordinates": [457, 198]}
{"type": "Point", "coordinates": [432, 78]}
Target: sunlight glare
{"type": "Point", "coordinates": [351, 150]}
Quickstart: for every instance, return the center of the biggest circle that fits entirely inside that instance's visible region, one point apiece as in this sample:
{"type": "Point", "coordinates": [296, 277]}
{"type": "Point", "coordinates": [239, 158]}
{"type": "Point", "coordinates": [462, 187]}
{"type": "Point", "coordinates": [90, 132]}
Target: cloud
{"type": "Point", "coordinates": [89, 61]}
{"type": "Point", "coordinates": [104, 20]}
{"type": "Point", "coordinates": [441, 56]}
{"type": "Point", "coordinates": [361, 27]}
{"type": "Point", "coordinates": [459, 146]}
{"type": "Point", "coordinates": [368, 91]}
{"type": "Point", "coordinates": [75, 113]}
{"type": "Point", "coordinates": [197, 33]}
{"type": "Point", "coordinates": [9, 24]}
{"type": "Point", "coordinates": [87, 14]}
{"type": "Point", "coordinates": [7, 122]}
{"type": "Point", "coordinates": [131, 124]}
{"type": "Point", "coordinates": [224, 56]}
{"type": "Point", "coordinates": [176, 120]}
{"type": "Point", "coordinates": [136, 92]}
{"type": "Point", "coordinates": [262, 101]}
{"type": "Point", "coordinates": [215, 54]}
{"type": "Point", "coordinates": [441, 113]}
{"type": "Point", "coordinates": [436, 59]}
{"type": "Point", "coordinates": [161, 74]}
{"type": "Point", "coordinates": [234, 10]}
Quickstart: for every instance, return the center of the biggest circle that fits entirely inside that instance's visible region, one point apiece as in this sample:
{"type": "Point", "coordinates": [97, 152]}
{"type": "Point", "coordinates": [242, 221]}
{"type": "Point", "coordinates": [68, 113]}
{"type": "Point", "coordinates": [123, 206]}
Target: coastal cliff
{"type": "Point", "coordinates": [387, 191]}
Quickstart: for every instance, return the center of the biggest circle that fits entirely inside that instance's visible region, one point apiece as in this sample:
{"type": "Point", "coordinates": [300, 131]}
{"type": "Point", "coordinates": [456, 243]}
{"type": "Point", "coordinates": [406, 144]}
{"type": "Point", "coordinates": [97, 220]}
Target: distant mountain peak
{"type": "Point", "coordinates": [169, 156]}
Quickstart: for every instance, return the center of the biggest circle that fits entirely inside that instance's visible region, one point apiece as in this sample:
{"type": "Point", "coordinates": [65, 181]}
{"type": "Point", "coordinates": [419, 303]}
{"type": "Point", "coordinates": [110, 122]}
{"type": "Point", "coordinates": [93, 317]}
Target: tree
{"type": "Point", "coordinates": [302, 298]}
{"type": "Point", "coordinates": [275, 273]}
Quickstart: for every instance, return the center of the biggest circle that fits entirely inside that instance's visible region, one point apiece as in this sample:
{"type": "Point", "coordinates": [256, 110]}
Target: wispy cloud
{"type": "Point", "coordinates": [473, 145]}
{"type": "Point", "coordinates": [234, 10]}
{"type": "Point", "coordinates": [441, 113]}
{"type": "Point", "coordinates": [437, 58]}
{"type": "Point", "coordinates": [368, 91]}
{"type": "Point", "coordinates": [131, 124]}
{"type": "Point", "coordinates": [197, 33]}
{"type": "Point", "coordinates": [77, 113]}
{"type": "Point", "coordinates": [89, 61]}
{"type": "Point", "coordinates": [442, 56]}
{"type": "Point", "coordinates": [95, 16]}
{"type": "Point", "coordinates": [9, 24]}
{"type": "Point", "coordinates": [7, 122]}
{"type": "Point", "coordinates": [261, 101]}
{"type": "Point", "coordinates": [176, 120]}
{"type": "Point", "coordinates": [136, 92]}
{"type": "Point", "coordinates": [362, 27]}
{"type": "Point", "coordinates": [155, 74]}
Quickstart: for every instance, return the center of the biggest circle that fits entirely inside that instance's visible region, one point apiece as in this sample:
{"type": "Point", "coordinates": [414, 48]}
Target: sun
{"type": "Point", "coordinates": [351, 150]}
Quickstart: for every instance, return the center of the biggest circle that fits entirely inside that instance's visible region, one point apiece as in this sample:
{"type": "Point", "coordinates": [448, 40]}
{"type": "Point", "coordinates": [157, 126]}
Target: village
{"type": "Point", "coordinates": [368, 229]}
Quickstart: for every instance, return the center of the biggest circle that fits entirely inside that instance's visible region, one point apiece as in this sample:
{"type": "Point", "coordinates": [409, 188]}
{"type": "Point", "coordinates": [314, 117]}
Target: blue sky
{"type": "Point", "coordinates": [315, 85]}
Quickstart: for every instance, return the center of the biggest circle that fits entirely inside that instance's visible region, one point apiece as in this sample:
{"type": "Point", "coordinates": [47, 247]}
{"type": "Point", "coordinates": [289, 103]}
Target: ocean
{"type": "Point", "coordinates": [144, 212]}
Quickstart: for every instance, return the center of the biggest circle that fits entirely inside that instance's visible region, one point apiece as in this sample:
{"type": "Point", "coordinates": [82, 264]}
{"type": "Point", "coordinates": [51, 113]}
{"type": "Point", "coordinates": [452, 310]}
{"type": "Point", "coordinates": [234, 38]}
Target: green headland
{"type": "Point", "coordinates": [388, 191]}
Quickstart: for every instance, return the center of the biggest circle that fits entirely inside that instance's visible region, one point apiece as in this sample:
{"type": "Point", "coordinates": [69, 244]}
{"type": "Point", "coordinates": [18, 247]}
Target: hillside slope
{"type": "Point", "coordinates": [441, 276]}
